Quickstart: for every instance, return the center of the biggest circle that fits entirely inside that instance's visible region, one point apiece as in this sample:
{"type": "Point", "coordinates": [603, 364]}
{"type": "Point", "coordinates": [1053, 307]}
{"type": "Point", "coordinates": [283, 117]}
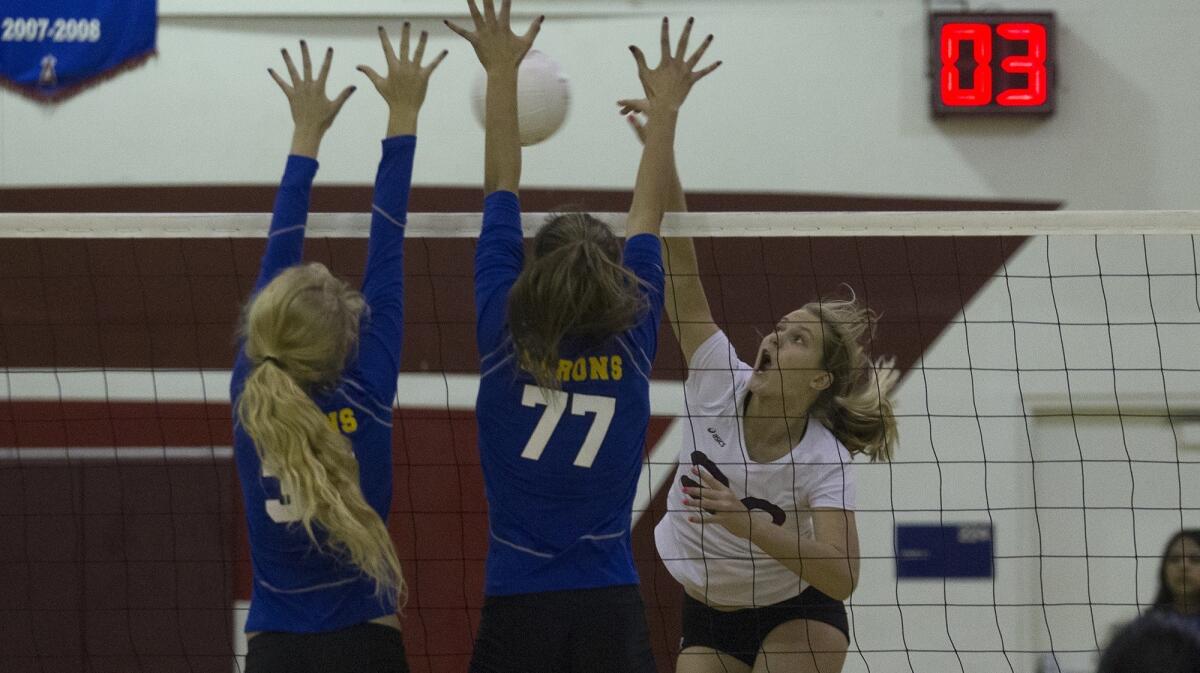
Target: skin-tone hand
{"type": "Point", "coordinates": [406, 82]}
{"type": "Point", "coordinates": [716, 503]}
{"type": "Point", "coordinates": [500, 52]}
{"type": "Point", "coordinates": [667, 85]}
{"type": "Point", "coordinates": [312, 111]}
{"type": "Point", "coordinates": [497, 47]}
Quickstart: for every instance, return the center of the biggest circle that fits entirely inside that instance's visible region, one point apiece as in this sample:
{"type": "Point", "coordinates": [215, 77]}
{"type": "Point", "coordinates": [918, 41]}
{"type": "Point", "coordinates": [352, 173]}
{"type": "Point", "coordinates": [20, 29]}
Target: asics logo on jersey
{"type": "Point", "coordinates": [717, 438]}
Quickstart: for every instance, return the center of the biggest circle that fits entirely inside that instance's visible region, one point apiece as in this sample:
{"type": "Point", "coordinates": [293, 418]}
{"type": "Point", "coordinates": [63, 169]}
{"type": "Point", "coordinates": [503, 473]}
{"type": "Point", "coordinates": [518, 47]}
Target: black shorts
{"type": "Point", "coordinates": [584, 630]}
{"type": "Point", "coordinates": [741, 633]}
{"type": "Point", "coordinates": [362, 648]}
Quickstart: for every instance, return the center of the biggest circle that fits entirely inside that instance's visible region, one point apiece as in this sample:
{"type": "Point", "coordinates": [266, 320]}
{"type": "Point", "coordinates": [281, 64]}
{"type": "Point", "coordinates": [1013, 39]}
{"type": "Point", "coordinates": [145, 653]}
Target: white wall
{"type": "Point", "coordinates": [815, 95]}
{"type": "Point", "coordinates": [1033, 413]}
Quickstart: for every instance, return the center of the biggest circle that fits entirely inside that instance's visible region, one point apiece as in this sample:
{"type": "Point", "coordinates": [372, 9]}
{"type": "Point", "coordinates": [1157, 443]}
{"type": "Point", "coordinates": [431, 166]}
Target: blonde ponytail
{"type": "Point", "coordinates": [856, 407]}
{"type": "Point", "coordinates": [300, 330]}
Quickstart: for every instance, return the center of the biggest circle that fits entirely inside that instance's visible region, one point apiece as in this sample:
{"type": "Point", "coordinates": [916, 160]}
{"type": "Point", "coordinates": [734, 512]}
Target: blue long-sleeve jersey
{"type": "Point", "coordinates": [297, 587]}
{"type": "Point", "coordinates": [561, 467]}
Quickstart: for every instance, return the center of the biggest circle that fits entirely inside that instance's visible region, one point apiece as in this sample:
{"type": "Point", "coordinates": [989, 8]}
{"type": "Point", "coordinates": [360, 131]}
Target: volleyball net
{"type": "Point", "coordinates": [1049, 422]}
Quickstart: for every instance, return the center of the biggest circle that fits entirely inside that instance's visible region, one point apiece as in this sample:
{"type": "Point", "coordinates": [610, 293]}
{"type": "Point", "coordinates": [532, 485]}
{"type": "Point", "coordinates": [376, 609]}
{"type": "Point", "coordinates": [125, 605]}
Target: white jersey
{"type": "Point", "coordinates": [708, 559]}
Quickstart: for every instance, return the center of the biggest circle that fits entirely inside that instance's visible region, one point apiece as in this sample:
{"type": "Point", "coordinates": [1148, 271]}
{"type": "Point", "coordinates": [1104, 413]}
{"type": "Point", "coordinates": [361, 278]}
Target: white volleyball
{"type": "Point", "coordinates": [543, 97]}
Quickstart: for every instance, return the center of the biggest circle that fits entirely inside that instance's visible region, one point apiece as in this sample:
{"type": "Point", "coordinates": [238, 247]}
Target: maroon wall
{"type": "Point", "coordinates": [133, 566]}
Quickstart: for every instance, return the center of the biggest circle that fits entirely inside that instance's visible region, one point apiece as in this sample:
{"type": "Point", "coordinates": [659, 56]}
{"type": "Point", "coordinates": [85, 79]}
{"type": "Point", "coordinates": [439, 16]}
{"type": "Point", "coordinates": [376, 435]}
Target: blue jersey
{"type": "Point", "coordinates": [560, 467]}
{"type": "Point", "coordinates": [298, 588]}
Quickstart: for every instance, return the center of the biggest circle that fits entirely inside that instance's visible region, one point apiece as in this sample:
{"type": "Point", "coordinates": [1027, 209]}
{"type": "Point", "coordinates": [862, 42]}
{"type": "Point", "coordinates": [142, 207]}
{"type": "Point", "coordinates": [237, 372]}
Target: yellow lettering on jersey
{"type": "Point", "coordinates": [342, 420]}
{"type": "Point", "coordinates": [599, 367]}
{"type": "Point", "coordinates": [591, 368]}
{"type": "Point", "coordinates": [564, 370]}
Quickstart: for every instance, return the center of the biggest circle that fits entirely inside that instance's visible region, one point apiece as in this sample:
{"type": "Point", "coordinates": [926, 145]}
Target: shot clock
{"type": "Point", "coordinates": [992, 63]}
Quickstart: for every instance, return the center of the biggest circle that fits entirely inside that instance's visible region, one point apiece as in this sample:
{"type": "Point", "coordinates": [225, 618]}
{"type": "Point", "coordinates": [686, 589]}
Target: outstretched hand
{"type": "Point", "coordinates": [407, 81]}
{"type": "Point", "coordinates": [312, 111]}
{"type": "Point", "coordinates": [667, 85]}
{"type": "Point", "coordinates": [496, 45]}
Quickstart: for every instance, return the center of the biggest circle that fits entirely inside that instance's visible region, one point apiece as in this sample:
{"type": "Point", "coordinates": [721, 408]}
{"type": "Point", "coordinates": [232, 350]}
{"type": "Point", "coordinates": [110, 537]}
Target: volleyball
{"type": "Point", "coordinates": [543, 97]}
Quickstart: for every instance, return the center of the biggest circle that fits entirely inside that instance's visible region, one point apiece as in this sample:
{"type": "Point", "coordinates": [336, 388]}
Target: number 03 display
{"type": "Point", "coordinates": [992, 63]}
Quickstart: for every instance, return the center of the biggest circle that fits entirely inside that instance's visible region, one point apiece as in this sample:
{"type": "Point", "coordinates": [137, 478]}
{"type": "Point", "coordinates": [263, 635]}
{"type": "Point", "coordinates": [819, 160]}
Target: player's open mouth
{"type": "Point", "coordinates": [764, 361]}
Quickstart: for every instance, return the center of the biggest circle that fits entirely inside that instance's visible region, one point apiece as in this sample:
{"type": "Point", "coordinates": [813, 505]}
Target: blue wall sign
{"type": "Point", "coordinates": [944, 551]}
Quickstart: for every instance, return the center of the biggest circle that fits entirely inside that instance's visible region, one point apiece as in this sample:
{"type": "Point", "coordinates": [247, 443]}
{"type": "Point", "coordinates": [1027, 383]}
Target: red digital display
{"type": "Point", "coordinates": [992, 63]}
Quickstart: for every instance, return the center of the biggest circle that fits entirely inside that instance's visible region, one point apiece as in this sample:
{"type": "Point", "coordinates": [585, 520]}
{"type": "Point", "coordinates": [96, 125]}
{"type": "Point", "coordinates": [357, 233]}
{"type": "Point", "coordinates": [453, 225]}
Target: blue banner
{"type": "Point", "coordinates": [944, 551]}
{"type": "Point", "coordinates": [53, 49]}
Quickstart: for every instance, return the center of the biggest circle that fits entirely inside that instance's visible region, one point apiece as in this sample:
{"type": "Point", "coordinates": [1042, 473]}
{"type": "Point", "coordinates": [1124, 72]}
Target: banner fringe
{"type": "Point", "coordinates": [62, 94]}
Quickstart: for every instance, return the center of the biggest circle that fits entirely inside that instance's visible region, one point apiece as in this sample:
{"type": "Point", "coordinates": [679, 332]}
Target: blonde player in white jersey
{"type": "Point", "coordinates": [760, 528]}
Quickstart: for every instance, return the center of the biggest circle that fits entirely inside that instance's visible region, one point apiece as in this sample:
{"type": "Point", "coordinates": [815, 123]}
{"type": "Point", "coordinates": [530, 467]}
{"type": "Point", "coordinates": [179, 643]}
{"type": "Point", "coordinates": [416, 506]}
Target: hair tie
{"type": "Point", "coordinates": [272, 360]}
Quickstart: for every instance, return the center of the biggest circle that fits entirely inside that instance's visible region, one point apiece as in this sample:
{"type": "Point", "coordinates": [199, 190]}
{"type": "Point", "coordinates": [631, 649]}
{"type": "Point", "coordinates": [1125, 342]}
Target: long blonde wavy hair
{"type": "Point", "coordinates": [855, 407]}
{"type": "Point", "coordinates": [299, 332]}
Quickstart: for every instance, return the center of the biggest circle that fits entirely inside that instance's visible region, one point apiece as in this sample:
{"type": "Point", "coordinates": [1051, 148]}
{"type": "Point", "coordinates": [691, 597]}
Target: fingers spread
{"type": "Point", "coordinates": [705, 72]}
{"type": "Point", "coordinates": [463, 32]}
{"type": "Point", "coordinates": [325, 67]}
{"type": "Point", "coordinates": [534, 29]}
{"type": "Point", "coordinates": [420, 53]}
{"type": "Point", "coordinates": [307, 62]}
{"type": "Point", "coordinates": [287, 90]}
{"type": "Point", "coordinates": [371, 74]}
{"type": "Point", "coordinates": [505, 13]}
{"type": "Point", "coordinates": [342, 98]}
{"type": "Point", "coordinates": [386, 43]}
{"type": "Point", "coordinates": [287, 59]}
{"type": "Point", "coordinates": [691, 62]}
{"type": "Point", "coordinates": [681, 48]}
{"type": "Point", "coordinates": [437, 61]}
{"type": "Point", "coordinates": [665, 38]}
{"type": "Point", "coordinates": [475, 15]}
{"type": "Point", "coordinates": [639, 57]}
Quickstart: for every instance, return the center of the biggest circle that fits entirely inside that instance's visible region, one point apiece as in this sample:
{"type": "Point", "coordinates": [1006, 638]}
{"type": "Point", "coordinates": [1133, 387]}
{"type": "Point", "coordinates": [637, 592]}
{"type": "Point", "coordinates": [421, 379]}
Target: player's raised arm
{"type": "Point", "coordinates": [500, 52]}
{"type": "Point", "coordinates": [312, 114]}
{"type": "Point", "coordinates": [685, 301]}
{"type": "Point", "coordinates": [666, 87]}
{"type": "Point", "coordinates": [500, 255]}
{"type": "Point", "coordinates": [315, 509]}
{"type": "Point", "coordinates": [403, 87]}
